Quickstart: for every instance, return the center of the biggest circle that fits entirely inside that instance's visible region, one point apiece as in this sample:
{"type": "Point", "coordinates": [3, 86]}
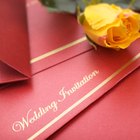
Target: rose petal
{"type": "Point", "coordinates": [100, 15]}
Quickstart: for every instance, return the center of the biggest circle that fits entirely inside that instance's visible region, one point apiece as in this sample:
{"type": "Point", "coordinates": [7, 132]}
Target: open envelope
{"type": "Point", "coordinates": [67, 76]}
{"type": "Point", "coordinates": [14, 45]}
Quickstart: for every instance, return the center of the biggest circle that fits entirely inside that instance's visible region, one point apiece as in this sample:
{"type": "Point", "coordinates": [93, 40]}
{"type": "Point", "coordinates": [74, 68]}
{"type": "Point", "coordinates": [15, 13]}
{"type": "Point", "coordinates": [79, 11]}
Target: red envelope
{"type": "Point", "coordinates": [54, 38]}
{"type": "Point", "coordinates": [57, 91]}
{"type": "Point", "coordinates": [14, 45]}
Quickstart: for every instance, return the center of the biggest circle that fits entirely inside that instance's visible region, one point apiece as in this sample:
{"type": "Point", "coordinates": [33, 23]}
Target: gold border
{"type": "Point", "coordinates": [71, 44]}
{"type": "Point", "coordinates": [84, 97]}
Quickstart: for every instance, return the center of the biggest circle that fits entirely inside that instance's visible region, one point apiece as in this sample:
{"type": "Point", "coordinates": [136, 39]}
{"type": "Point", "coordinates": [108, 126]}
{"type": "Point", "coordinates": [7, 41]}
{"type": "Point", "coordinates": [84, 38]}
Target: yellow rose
{"type": "Point", "coordinates": [110, 26]}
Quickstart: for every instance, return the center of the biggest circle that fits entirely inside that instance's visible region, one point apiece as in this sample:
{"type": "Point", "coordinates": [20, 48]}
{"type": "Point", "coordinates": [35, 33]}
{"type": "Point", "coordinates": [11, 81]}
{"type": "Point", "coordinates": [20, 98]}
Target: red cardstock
{"type": "Point", "coordinates": [54, 37]}
{"type": "Point", "coordinates": [14, 45]}
{"type": "Point", "coordinates": [115, 116]}
{"type": "Point", "coordinates": [37, 108]}
{"type": "Point", "coordinates": [57, 91]}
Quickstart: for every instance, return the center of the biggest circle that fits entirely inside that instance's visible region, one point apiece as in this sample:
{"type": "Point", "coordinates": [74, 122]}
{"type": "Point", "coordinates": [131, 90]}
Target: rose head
{"type": "Point", "coordinates": [110, 26]}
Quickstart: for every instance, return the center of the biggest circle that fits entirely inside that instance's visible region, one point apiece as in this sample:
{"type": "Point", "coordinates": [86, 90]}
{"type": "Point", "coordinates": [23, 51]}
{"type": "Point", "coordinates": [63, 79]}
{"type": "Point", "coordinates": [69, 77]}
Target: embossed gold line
{"type": "Point", "coordinates": [57, 50]}
{"type": "Point", "coordinates": [84, 97]}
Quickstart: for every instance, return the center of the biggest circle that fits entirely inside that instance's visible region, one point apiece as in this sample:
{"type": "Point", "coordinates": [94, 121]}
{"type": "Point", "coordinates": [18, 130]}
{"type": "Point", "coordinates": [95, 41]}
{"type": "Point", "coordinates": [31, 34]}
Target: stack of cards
{"type": "Point", "coordinates": [68, 75]}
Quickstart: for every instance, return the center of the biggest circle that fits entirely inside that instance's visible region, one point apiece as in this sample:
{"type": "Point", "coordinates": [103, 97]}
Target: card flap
{"type": "Point", "coordinates": [14, 49]}
{"type": "Point", "coordinates": [8, 74]}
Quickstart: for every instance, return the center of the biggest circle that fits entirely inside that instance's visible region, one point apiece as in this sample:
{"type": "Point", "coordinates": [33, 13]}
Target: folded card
{"type": "Point", "coordinates": [14, 45]}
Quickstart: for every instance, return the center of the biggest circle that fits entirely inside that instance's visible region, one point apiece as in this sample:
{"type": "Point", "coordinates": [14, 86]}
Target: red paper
{"type": "Point", "coordinates": [39, 107]}
{"type": "Point", "coordinates": [54, 38]}
{"type": "Point", "coordinates": [14, 48]}
{"type": "Point", "coordinates": [113, 117]}
{"type": "Point", "coordinates": [57, 92]}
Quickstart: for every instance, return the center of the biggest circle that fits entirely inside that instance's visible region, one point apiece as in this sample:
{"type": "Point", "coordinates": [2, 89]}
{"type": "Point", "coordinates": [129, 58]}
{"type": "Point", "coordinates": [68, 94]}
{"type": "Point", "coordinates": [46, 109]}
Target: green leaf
{"type": "Point", "coordinates": [136, 5]}
{"type": "Point", "coordinates": [60, 5]}
{"type": "Point", "coordinates": [133, 4]}
{"type": "Point", "coordinates": [71, 5]}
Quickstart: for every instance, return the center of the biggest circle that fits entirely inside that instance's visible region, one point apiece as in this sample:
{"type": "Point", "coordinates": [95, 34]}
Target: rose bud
{"type": "Point", "coordinates": [110, 26]}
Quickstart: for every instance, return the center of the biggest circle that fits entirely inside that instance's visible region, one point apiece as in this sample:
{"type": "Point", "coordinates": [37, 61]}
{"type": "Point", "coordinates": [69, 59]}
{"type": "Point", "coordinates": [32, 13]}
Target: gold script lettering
{"type": "Point", "coordinates": [65, 93]}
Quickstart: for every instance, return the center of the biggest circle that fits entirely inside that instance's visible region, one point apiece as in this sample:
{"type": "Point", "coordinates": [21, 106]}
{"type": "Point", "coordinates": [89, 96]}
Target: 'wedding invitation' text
{"type": "Point", "coordinates": [34, 115]}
